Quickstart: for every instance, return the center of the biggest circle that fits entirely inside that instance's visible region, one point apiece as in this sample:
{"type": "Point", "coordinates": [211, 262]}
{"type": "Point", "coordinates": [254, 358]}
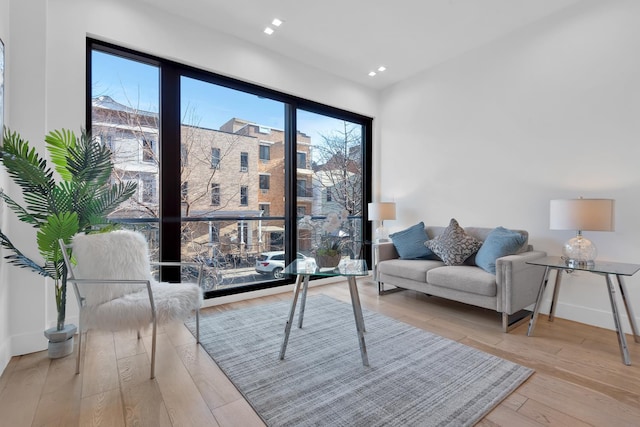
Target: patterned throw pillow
{"type": "Point", "coordinates": [454, 245]}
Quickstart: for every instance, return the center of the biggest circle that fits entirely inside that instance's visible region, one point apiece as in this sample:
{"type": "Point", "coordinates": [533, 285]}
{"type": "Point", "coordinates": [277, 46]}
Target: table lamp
{"type": "Point", "coordinates": [379, 211]}
{"type": "Point", "coordinates": [581, 215]}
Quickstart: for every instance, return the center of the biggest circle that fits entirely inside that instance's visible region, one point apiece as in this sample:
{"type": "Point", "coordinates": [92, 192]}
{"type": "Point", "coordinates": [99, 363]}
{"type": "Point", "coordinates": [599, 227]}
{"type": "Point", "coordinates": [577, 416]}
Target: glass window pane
{"type": "Point", "coordinates": [124, 116]}
{"type": "Point", "coordinates": [234, 143]}
{"type": "Point", "coordinates": [336, 153]}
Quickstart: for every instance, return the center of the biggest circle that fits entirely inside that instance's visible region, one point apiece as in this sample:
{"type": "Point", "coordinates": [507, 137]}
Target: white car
{"type": "Point", "coordinates": [273, 263]}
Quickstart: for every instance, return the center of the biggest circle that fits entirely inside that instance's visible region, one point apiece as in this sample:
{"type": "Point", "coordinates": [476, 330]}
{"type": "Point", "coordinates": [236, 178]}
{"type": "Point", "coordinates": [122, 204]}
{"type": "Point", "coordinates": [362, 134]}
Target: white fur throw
{"type": "Point", "coordinates": [124, 255]}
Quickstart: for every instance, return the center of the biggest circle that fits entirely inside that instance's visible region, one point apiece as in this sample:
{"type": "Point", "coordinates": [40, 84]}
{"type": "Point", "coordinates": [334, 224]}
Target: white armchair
{"type": "Point", "coordinates": [112, 280]}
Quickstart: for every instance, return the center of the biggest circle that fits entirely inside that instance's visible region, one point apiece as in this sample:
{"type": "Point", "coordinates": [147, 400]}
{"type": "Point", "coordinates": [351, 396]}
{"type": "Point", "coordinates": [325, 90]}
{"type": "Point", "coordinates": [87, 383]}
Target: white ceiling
{"type": "Point", "coordinates": [349, 38]}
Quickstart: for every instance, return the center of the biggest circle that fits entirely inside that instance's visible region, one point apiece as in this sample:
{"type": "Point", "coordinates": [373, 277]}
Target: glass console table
{"type": "Point", "coordinates": [304, 269]}
{"type": "Point", "coordinates": [611, 271]}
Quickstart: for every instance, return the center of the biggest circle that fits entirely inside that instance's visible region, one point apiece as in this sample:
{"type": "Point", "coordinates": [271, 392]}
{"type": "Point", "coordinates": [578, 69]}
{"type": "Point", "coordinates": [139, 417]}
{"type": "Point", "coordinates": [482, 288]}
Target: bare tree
{"type": "Point", "coordinates": [338, 167]}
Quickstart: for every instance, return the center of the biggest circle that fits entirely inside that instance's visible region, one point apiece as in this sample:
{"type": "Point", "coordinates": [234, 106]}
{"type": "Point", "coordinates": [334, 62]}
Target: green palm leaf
{"type": "Point", "coordinates": [29, 171]}
{"type": "Point", "coordinates": [59, 226]}
{"type": "Point", "coordinates": [59, 142]}
{"type": "Point", "coordinates": [81, 200]}
{"type": "Point", "coordinates": [17, 258]}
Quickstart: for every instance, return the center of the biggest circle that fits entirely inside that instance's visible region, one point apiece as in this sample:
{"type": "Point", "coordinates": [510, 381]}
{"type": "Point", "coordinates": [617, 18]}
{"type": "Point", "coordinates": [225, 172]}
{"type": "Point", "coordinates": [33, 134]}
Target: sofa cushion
{"type": "Point", "coordinates": [408, 269]}
{"type": "Point", "coordinates": [410, 242]}
{"type": "Point", "coordinates": [454, 245]}
{"type": "Point", "coordinates": [464, 278]}
{"type": "Point", "coordinates": [500, 242]}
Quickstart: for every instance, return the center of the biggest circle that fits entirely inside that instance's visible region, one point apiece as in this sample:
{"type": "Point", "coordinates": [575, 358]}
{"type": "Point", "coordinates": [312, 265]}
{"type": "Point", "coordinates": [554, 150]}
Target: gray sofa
{"type": "Point", "coordinates": [512, 289]}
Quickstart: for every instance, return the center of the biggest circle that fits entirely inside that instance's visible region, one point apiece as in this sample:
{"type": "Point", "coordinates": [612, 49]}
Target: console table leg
{"type": "Point", "coordinates": [536, 308]}
{"type": "Point", "coordinates": [287, 328]}
{"type": "Point", "coordinates": [357, 312]}
{"type": "Point", "coordinates": [627, 305]}
{"type": "Point", "coordinates": [556, 291]}
{"type": "Point", "coordinates": [622, 340]}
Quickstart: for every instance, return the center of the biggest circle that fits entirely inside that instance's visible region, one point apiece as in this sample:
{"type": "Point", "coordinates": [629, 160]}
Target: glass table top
{"type": "Point", "coordinates": [347, 267]}
{"type": "Point", "coordinates": [604, 267]}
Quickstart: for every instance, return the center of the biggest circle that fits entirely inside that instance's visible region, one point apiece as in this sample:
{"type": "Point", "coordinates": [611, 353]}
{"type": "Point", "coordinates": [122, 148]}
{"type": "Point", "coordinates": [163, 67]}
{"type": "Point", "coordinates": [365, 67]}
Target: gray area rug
{"type": "Point", "coordinates": [415, 378]}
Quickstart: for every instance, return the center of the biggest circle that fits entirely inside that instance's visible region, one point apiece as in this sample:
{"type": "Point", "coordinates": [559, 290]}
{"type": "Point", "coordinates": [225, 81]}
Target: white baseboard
{"type": "Point", "coordinates": [594, 317]}
{"type": "Point", "coordinates": [28, 343]}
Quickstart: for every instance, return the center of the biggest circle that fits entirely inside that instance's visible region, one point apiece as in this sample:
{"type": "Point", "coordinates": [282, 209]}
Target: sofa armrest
{"type": "Point", "coordinates": [518, 282]}
{"type": "Point", "coordinates": [384, 251]}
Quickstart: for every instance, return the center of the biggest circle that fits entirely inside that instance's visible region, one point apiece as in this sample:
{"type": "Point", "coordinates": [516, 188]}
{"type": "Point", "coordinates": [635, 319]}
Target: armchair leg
{"type": "Point", "coordinates": [197, 326]}
{"type": "Point", "coordinates": [153, 350]}
{"type": "Point", "coordinates": [79, 349]}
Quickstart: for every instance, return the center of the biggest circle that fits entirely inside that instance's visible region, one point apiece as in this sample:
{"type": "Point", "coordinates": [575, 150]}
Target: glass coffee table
{"type": "Point", "coordinates": [304, 269]}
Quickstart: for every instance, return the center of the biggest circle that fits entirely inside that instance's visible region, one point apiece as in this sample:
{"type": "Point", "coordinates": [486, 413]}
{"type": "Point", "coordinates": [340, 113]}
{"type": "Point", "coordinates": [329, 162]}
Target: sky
{"type": "Point", "coordinates": [136, 85]}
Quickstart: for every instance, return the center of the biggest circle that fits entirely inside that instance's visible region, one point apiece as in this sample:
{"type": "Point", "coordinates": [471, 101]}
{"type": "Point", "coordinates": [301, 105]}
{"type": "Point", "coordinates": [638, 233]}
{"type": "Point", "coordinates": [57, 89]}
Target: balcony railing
{"type": "Point", "coordinates": [230, 247]}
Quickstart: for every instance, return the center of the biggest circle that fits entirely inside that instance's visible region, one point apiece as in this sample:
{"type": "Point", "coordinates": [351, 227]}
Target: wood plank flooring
{"type": "Point", "coordinates": [580, 379]}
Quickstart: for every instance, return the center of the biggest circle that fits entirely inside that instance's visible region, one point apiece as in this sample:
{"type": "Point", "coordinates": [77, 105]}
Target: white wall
{"type": "Point", "coordinates": [47, 65]}
{"type": "Point", "coordinates": [550, 111]}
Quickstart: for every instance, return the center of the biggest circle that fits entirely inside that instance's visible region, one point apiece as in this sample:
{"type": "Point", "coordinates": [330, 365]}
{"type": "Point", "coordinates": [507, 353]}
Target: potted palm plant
{"type": "Point", "coordinates": [79, 201]}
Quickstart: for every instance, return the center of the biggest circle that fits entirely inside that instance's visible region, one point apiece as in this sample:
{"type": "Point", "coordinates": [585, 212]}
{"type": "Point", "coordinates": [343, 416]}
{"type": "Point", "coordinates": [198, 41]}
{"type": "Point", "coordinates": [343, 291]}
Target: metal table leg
{"type": "Point", "coordinates": [556, 291]}
{"type": "Point", "coordinates": [287, 328]}
{"type": "Point", "coordinates": [627, 305]}
{"type": "Point", "coordinates": [357, 312]}
{"type": "Point", "coordinates": [536, 308]}
{"type": "Point", "coordinates": [303, 302]}
{"type": "Point", "coordinates": [622, 340]}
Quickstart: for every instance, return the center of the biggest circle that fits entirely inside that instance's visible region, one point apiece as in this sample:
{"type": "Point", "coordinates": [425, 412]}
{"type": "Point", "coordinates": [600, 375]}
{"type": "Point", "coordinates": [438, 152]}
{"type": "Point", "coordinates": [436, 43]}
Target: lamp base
{"type": "Point", "coordinates": [381, 235]}
{"type": "Point", "coordinates": [575, 263]}
{"type": "Point", "coordinates": [579, 252]}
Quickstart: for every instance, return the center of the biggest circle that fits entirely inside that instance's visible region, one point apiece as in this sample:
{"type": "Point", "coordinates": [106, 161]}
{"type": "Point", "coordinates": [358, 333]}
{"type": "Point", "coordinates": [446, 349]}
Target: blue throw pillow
{"type": "Point", "coordinates": [499, 242]}
{"type": "Point", "coordinates": [409, 243]}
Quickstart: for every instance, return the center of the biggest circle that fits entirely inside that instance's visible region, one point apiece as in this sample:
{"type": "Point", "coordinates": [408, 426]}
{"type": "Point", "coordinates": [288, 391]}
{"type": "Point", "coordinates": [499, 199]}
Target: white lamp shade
{"type": "Point", "coordinates": [380, 211]}
{"type": "Point", "coordinates": [581, 215]}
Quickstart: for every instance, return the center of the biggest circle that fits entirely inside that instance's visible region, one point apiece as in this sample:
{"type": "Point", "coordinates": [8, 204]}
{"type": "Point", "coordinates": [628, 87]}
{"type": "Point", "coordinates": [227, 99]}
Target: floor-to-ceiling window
{"type": "Point", "coordinates": [234, 175]}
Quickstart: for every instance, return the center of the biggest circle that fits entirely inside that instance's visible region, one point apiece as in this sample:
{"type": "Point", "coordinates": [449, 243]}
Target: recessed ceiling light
{"type": "Point", "coordinates": [372, 73]}
{"type": "Point", "coordinates": [276, 22]}
{"type": "Point", "coordinates": [268, 30]}
{"type": "Point", "coordinates": [382, 68]}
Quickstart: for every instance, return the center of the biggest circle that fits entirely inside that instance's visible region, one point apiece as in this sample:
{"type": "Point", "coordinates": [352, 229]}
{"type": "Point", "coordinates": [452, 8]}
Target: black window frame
{"type": "Point", "coordinates": [168, 188]}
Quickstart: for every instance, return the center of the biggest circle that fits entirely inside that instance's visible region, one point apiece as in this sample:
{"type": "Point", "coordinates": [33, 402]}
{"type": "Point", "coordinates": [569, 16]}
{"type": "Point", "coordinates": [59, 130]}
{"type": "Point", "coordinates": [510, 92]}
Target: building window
{"type": "Point", "coordinates": [184, 191]}
{"type": "Point", "coordinates": [244, 195]}
{"type": "Point", "coordinates": [215, 194]}
{"type": "Point", "coordinates": [264, 182]}
{"type": "Point", "coordinates": [148, 150]}
{"type": "Point", "coordinates": [329, 195]}
{"type": "Point", "coordinates": [265, 153]}
{"type": "Point", "coordinates": [301, 211]}
{"type": "Point", "coordinates": [302, 188]}
{"type": "Point", "coordinates": [244, 162]}
{"type": "Point", "coordinates": [215, 158]}
{"type": "Point", "coordinates": [184, 155]}
{"type": "Point", "coordinates": [214, 234]}
{"type": "Point", "coordinates": [264, 207]}
{"type": "Point", "coordinates": [148, 189]}
{"type": "Point", "coordinates": [302, 160]}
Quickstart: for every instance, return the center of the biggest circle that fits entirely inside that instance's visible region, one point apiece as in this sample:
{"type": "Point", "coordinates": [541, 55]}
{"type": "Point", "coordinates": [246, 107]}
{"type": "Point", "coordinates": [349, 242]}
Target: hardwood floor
{"type": "Point", "coordinates": [580, 379]}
